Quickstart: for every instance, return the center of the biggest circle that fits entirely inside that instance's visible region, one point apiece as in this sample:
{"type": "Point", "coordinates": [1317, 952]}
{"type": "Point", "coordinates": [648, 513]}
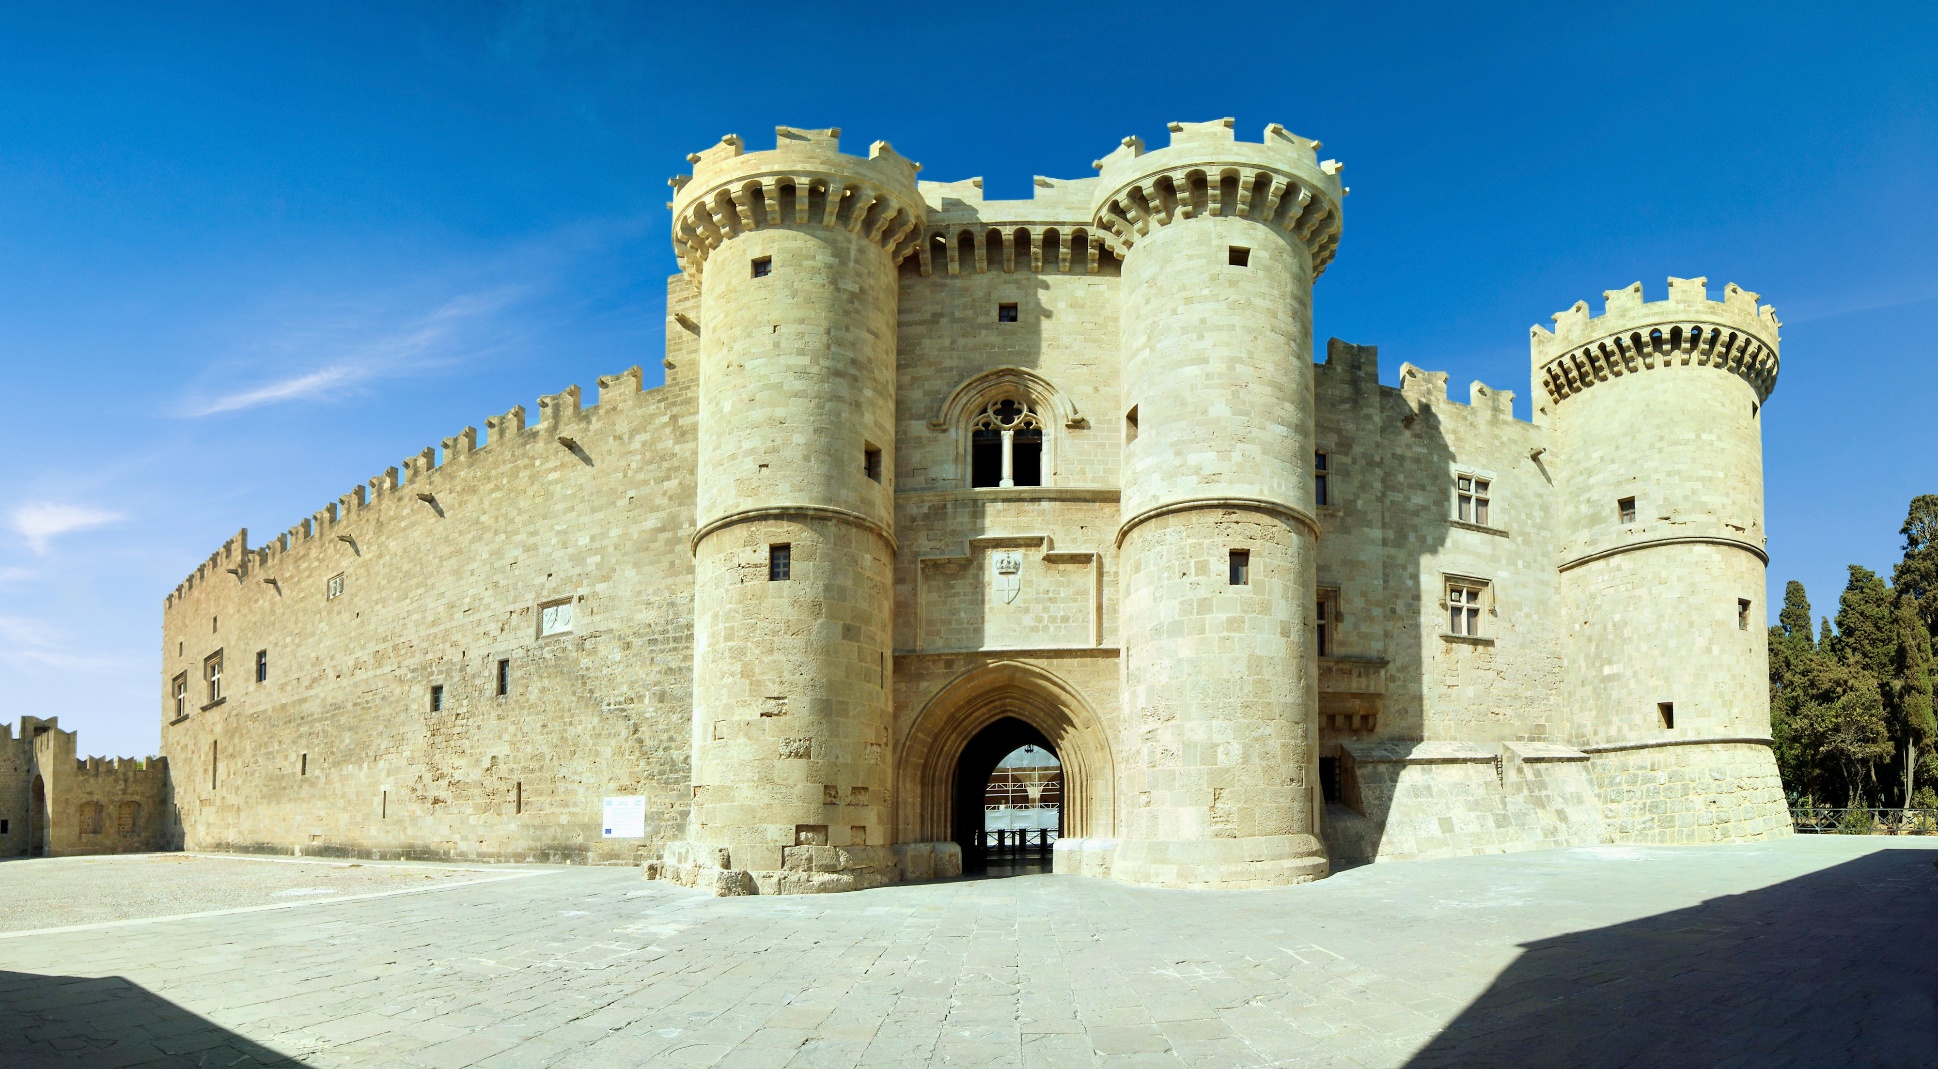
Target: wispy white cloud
{"type": "Point", "coordinates": [41, 522]}
{"type": "Point", "coordinates": [1851, 305]}
{"type": "Point", "coordinates": [345, 351]}
{"type": "Point", "coordinates": [26, 642]}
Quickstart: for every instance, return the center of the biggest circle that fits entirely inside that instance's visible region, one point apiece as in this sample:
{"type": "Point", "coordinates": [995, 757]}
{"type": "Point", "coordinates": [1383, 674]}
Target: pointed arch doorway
{"type": "Point", "coordinates": [971, 725]}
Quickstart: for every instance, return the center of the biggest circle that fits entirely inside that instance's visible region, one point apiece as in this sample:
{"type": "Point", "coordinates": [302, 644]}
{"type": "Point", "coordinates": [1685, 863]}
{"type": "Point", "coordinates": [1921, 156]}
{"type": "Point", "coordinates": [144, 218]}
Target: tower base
{"type": "Point", "coordinates": [1221, 864]}
{"type": "Point", "coordinates": [1694, 791]}
{"type": "Point", "coordinates": [805, 870]}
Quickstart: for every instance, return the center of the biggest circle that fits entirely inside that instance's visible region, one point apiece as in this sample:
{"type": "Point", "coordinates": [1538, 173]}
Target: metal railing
{"type": "Point", "coordinates": [1863, 820]}
{"type": "Point", "coordinates": [1002, 840]}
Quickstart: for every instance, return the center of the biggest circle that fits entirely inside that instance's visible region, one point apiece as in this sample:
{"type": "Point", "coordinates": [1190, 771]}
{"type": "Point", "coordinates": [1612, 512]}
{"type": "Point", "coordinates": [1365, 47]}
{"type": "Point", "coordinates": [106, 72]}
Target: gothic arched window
{"type": "Point", "coordinates": [1006, 445]}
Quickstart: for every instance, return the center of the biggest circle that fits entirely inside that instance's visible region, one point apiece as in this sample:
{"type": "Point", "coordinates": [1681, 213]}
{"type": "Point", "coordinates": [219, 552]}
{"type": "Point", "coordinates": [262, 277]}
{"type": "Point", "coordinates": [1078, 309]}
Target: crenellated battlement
{"type": "Point", "coordinates": [1734, 334]}
{"type": "Point", "coordinates": [415, 480]}
{"type": "Point", "coordinates": [805, 180]}
{"type": "Point", "coordinates": [1207, 171]}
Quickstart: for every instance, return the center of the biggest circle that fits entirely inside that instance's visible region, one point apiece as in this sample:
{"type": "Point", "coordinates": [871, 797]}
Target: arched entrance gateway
{"type": "Point", "coordinates": [972, 724]}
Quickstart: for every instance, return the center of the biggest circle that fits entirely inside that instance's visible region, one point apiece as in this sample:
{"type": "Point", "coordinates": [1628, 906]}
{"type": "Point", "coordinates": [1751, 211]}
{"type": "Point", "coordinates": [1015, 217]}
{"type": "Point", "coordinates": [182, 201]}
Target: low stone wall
{"type": "Point", "coordinates": [808, 869]}
{"type": "Point", "coordinates": [1700, 791]}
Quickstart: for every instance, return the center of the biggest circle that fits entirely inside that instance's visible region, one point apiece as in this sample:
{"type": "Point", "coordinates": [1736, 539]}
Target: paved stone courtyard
{"type": "Point", "coordinates": [1808, 952]}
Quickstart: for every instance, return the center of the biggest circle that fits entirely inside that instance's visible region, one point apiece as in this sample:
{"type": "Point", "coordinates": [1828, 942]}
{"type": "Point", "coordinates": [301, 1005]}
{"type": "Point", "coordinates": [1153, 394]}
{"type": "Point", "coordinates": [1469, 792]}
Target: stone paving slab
{"type": "Point", "coordinates": [63, 891]}
{"type": "Point", "coordinates": [1807, 951]}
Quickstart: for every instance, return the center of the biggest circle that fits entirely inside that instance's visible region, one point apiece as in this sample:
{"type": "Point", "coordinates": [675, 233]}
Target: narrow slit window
{"type": "Point", "coordinates": [437, 697]}
{"type": "Point", "coordinates": [1239, 256]}
{"type": "Point", "coordinates": [504, 677]}
{"type": "Point", "coordinates": [871, 463]}
{"type": "Point", "coordinates": [1667, 711]}
{"type": "Point", "coordinates": [1324, 619]}
{"type": "Point", "coordinates": [1241, 567]}
{"type": "Point", "coordinates": [763, 266]}
{"type": "Point", "coordinates": [1742, 614]}
{"type": "Point", "coordinates": [303, 765]}
{"type": "Point", "coordinates": [262, 666]}
{"type": "Point", "coordinates": [1006, 313]}
{"type": "Point", "coordinates": [780, 562]}
{"type": "Point", "coordinates": [1625, 509]}
{"type": "Point", "coordinates": [1321, 469]}
{"type": "Point", "coordinates": [1473, 497]}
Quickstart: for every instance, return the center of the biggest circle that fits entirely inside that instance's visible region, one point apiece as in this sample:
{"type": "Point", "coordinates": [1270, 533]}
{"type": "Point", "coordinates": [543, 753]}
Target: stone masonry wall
{"type": "Point", "coordinates": [340, 751]}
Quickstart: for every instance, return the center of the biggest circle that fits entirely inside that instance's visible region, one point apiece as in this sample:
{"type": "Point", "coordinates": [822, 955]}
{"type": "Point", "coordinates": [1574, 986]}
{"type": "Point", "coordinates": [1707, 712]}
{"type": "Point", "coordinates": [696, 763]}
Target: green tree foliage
{"type": "Point", "coordinates": [1916, 576]}
{"type": "Point", "coordinates": [1851, 713]}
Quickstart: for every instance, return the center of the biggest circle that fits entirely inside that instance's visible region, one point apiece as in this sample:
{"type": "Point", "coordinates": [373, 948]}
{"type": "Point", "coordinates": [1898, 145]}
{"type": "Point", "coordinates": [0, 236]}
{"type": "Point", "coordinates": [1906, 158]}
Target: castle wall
{"type": "Point", "coordinates": [443, 577]}
{"type": "Point", "coordinates": [804, 734]}
{"type": "Point", "coordinates": [16, 787]}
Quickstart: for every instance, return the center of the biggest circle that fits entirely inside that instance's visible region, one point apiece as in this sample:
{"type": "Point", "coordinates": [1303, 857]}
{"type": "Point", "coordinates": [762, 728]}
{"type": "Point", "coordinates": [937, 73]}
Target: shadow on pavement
{"type": "Point", "coordinates": [109, 1021]}
{"type": "Point", "coordinates": [1836, 968]}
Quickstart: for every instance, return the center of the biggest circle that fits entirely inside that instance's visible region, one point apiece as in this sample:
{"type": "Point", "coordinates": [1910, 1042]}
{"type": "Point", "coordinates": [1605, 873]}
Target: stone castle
{"type": "Point", "coordinates": [932, 477]}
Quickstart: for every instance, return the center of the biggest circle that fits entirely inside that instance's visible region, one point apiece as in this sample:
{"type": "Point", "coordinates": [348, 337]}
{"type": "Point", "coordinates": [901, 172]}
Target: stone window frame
{"type": "Point", "coordinates": [178, 689]}
{"type": "Point", "coordinates": [212, 676]}
{"type": "Point", "coordinates": [1056, 415]}
{"type": "Point", "coordinates": [570, 603]}
{"type": "Point", "coordinates": [1481, 606]}
{"type": "Point", "coordinates": [1324, 477]}
{"type": "Point", "coordinates": [1473, 488]}
{"type": "Point", "coordinates": [1325, 621]}
{"type": "Point", "coordinates": [333, 587]}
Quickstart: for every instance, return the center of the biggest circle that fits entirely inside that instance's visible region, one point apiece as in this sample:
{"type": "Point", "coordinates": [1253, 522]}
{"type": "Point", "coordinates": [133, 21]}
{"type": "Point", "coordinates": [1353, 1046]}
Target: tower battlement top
{"type": "Point", "coordinates": [1734, 334]}
{"type": "Point", "coordinates": [1206, 171]}
{"type": "Point", "coordinates": [804, 179]}
{"type": "Point", "coordinates": [1625, 310]}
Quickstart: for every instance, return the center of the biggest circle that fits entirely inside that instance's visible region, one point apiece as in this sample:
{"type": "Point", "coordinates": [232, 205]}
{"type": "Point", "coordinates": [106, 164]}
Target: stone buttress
{"type": "Point", "coordinates": [1222, 240]}
{"type": "Point", "coordinates": [1656, 414]}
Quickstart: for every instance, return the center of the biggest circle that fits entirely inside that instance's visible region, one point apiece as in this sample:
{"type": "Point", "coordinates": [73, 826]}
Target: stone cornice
{"type": "Point", "coordinates": [793, 512]}
{"type": "Point", "coordinates": [1298, 516]}
{"type": "Point", "coordinates": [1679, 540]}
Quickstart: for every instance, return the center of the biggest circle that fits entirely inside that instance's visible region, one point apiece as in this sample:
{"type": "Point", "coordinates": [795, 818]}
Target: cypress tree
{"type": "Point", "coordinates": [1911, 689]}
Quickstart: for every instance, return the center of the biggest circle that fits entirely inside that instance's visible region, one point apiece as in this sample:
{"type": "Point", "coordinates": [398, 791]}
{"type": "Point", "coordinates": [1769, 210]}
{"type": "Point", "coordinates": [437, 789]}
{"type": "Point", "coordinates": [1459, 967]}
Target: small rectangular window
{"type": "Point", "coordinates": [780, 562]}
{"type": "Point", "coordinates": [1320, 470]}
{"type": "Point", "coordinates": [3, 826]}
{"type": "Point", "coordinates": [1742, 614]}
{"type": "Point", "coordinates": [303, 765]}
{"type": "Point", "coordinates": [181, 695]}
{"type": "Point", "coordinates": [1241, 567]}
{"type": "Point", "coordinates": [555, 618]}
{"type": "Point", "coordinates": [1239, 256]}
{"type": "Point", "coordinates": [1130, 425]}
{"type": "Point", "coordinates": [334, 588]}
{"type": "Point", "coordinates": [871, 462]}
{"type": "Point", "coordinates": [1473, 497]}
{"type": "Point", "coordinates": [1326, 613]}
{"type": "Point", "coordinates": [504, 677]}
{"type": "Point", "coordinates": [1005, 313]}
{"type": "Point", "coordinates": [1625, 508]}
{"type": "Point", "coordinates": [262, 666]}
{"type": "Point", "coordinates": [437, 696]}
{"type": "Point", "coordinates": [212, 675]}
{"type": "Point", "coordinates": [1463, 609]}
{"type": "Point", "coordinates": [763, 266]}
{"type": "Point", "coordinates": [1667, 711]}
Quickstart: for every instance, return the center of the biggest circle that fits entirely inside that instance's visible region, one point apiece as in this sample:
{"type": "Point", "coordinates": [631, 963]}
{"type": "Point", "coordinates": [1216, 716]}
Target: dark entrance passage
{"type": "Point", "coordinates": [37, 833]}
{"type": "Point", "coordinates": [1008, 795]}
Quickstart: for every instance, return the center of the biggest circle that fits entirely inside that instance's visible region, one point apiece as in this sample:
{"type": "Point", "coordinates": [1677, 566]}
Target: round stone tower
{"type": "Point", "coordinates": [794, 252]}
{"type": "Point", "coordinates": [1656, 412]}
{"type": "Point", "coordinates": [1221, 242]}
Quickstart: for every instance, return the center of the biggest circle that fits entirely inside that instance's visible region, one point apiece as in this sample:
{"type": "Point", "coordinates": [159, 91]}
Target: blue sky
{"type": "Point", "coordinates": [253, 254]}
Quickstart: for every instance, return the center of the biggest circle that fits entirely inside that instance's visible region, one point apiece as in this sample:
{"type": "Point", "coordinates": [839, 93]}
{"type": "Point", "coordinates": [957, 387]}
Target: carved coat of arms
{"type": "Point", "coordinates": [1007, 574]}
